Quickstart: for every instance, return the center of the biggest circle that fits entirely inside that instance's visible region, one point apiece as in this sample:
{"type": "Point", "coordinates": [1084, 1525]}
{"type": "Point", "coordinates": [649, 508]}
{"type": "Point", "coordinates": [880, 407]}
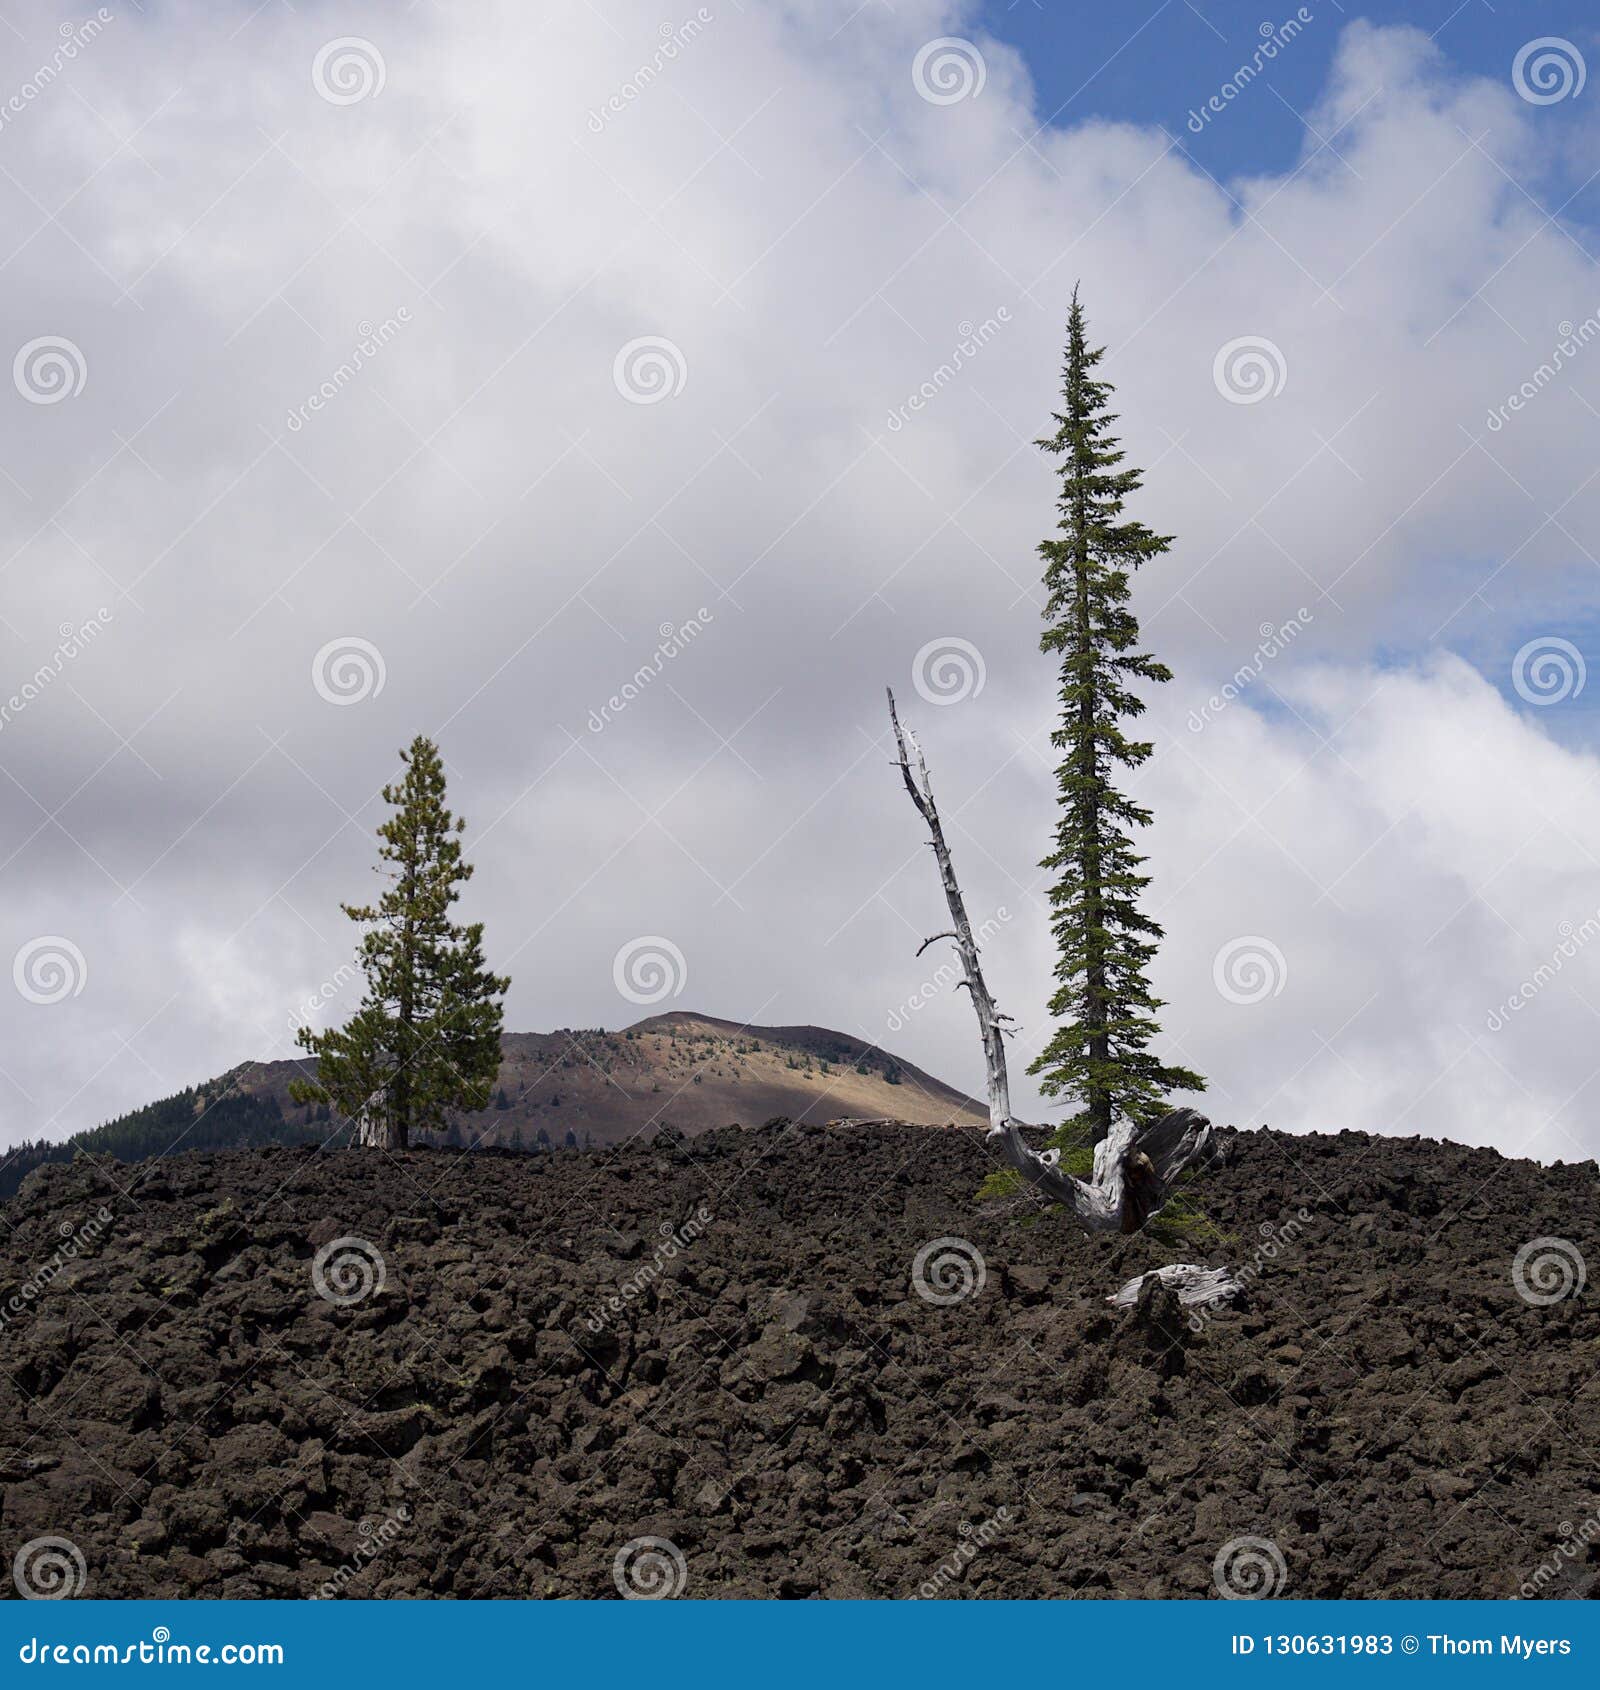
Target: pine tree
{"type": "Point", "coordinates": [1103, 1003]}
{"type": "Point", "coordinates": [426, 1037]}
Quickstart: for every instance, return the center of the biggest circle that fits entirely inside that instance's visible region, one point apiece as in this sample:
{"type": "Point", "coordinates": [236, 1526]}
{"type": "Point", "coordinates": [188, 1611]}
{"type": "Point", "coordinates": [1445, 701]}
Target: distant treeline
{"type": "Point", "coordinates": [200, 1118]}
{"type": "Point", "coordinates": [211, 1117]}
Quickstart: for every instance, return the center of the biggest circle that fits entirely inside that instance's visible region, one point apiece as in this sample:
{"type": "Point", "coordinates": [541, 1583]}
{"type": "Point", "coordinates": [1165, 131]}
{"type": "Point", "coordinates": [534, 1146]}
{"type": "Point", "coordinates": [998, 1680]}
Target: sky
{"type": "Point", "coordinates": [626, 399]}
{"type": "Point", "coordinates": [1158, 62]}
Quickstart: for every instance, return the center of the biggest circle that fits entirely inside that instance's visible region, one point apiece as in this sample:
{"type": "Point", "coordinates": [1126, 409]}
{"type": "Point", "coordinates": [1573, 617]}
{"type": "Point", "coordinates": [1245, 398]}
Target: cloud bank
{"type": "Point", "coordinates": [379, 373]}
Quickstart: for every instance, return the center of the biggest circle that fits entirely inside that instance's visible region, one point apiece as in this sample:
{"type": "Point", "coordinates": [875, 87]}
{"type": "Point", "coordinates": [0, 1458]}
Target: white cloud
{"type": "Point", "coordinates": [479, 503]}
{"type": "Point", "coordinates": [1416, 849]}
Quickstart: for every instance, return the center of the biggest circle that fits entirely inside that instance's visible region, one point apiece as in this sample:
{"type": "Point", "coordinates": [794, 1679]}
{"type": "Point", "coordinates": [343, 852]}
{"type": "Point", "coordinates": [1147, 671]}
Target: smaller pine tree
{"type": "Point", "coordinates": [425, 1038]}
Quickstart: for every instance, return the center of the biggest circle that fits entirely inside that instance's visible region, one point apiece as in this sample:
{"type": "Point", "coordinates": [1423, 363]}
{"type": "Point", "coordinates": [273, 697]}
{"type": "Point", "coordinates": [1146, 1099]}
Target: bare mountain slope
{"type": "Point", "coordinates": [686, 1070]}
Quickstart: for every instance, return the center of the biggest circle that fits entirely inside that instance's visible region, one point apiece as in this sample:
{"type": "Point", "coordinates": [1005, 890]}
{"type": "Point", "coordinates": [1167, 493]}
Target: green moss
{"type": "Point", "coordinates": [1077, 1159]}
{"type": "Point", "coordinates": [1181, 1222]}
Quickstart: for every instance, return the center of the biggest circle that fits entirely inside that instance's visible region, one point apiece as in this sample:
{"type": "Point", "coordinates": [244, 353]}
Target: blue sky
{"type": "Point", "coordinates": [1153, 61]}
{"type": "Point", "coordinates": [1156, 63]}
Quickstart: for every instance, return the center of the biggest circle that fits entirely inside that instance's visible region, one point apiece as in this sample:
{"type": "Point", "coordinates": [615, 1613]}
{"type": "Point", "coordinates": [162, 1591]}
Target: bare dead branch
{"type": "Point", "coordinates": [1134, 1169]}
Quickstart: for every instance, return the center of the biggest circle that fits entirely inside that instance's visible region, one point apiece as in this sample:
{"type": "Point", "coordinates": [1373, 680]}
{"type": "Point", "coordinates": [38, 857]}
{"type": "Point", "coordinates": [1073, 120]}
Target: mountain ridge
{"type": "Point", "coordinates": [569, 1088]}
{"type": "Point", "coordinates": [682, 1069]}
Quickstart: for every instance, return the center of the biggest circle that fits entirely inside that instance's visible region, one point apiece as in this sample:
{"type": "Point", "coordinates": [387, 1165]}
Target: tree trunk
{"type": "Point", "coordinates": [376, 1127]}
{"type": "Point", "coordinates": [397, 1096]}
{"type": "Point", "coordinates": [1134, 1169]}
{"type": "Point", "coordinates": [1095, 993]}
{"type": "Point", "coordinates": [380, 1134]}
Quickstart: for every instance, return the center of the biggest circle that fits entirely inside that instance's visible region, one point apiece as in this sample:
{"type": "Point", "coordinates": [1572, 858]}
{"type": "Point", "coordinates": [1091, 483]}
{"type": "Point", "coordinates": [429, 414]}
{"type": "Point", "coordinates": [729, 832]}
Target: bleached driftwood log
{"type": "Point", "coordinates": [1192, 1284]}
{"type": "Point", "coordinates": [1134, 1169]}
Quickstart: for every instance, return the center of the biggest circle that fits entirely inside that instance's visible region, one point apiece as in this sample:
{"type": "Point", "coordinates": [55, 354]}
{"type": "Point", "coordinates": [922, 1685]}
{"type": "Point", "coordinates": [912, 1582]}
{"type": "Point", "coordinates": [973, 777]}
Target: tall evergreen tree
{"type": "Point", "coordinates": [1103, 1001]}
{"type": "Point", "coordinates": [426, 1037]}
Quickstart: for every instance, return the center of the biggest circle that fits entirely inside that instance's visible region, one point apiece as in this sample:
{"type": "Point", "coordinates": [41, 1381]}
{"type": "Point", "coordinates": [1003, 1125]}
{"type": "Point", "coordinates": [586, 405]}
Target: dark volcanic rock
{"type": "Point", "coordinates": [292, 1373]}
